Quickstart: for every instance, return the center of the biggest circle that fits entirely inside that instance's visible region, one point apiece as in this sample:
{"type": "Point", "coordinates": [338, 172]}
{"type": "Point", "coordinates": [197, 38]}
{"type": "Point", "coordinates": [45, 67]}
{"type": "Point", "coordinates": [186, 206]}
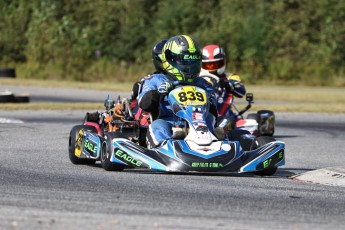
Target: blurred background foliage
{"type": "Point", "coordinates": [291, 42]}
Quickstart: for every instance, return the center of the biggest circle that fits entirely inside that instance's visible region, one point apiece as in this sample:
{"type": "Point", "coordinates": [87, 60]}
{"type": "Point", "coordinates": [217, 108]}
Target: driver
{"type": "Point", "coordinates": [226, 84]}
{"type": "Point", "coordinates": [181, 58]}
{"type": "Point", "coordinates": [157, 62]}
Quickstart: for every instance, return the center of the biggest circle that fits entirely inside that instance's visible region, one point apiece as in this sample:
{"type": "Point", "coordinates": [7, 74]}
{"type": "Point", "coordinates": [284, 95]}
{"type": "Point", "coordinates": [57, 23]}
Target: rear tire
{"type": "Point", "coordinates": [107, 151]}
{"type": "Point", "coordinates": [258, 142]}
{"type": "Point", "coordinates": [271, 123]}
{"type": "Point", "coordinates": [73, 137]}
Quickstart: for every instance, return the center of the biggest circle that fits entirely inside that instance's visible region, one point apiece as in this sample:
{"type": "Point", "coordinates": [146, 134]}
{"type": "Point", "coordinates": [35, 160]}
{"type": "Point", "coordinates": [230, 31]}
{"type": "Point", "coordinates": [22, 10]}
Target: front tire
{"type": "Point", "coordinates": [107, 151]}
{"type": "Point", "coordinates": [242, 136]}
{"type": "Point", "coordinates": [258, 142]}
{"type": "Point", "coordinates": [73, 138]}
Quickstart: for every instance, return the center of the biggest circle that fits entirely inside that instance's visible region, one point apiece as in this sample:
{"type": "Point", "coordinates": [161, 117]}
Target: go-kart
{"type": "Point", "coordinates": [198, 150]}
{"type": "Point", "coordinates": [117, 117]}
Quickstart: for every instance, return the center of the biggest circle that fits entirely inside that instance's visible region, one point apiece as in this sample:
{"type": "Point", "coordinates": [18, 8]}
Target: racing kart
{"type": "Point", "coordinates": [197, 150]}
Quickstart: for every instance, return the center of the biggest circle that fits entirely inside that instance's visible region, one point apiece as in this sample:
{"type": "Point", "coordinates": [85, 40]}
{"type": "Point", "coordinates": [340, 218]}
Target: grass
{"type": "Point", "coordinates": [275, 98]}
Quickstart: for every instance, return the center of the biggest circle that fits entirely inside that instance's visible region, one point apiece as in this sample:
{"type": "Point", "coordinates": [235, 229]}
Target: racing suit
{"type": "Point", "coordinates": [150, 100]}
{"type": "Point", "coordinates": [229, 85]}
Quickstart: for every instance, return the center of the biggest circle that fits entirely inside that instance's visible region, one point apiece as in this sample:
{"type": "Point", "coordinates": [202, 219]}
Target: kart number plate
{"type": "Point", "coordinates": [189, 95]}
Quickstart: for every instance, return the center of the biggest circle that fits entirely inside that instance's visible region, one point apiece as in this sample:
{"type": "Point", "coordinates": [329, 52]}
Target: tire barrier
{"type": "Point", "coordinates": [8, 72]}
{"type": "Point", "coordinates": [9, 97]}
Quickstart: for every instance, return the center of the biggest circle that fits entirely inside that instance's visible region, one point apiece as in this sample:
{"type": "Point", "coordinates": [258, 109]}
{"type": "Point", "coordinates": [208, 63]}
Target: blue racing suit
{"type": "Point", "coordinates": [149, 100]}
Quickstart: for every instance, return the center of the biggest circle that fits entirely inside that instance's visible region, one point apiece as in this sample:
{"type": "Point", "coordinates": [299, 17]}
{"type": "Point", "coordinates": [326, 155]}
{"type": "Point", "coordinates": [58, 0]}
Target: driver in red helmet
{"type": "Point", "coordinates": [226, 85]}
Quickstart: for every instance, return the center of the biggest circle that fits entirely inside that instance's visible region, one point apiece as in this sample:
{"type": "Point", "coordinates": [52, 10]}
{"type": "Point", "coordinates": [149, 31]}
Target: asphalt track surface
{"type": "Point", "coordinates": [41, 189]}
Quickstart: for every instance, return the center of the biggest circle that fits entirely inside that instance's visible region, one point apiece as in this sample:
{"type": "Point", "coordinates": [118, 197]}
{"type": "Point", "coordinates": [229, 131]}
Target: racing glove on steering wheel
{"type": "Point", "coordinates": [234, 87]}
{"type": "Point", "coordinates": [165, 87]}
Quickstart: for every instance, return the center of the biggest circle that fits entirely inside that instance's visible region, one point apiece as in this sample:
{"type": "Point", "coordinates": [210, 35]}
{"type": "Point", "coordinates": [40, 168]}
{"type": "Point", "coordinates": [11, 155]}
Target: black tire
{"type": "Point", "coordinates": [107, 150]}
{"type": "Point", "coordinates": [271, 113]}
{"type": "Point", "coordinates": [258, 142]}
{"type": "Point", "coordinates": [72, 143]}
{"type": "Point", "coordinates": [142, 137]}
{"type": "Point", "coordinates": [8, 72]}
{"type": "Point", "coordinates": [266, 111]}
{"type": "Point", "coordinates": [237, 135]}
{"type": "Point", "coordinates": [22, 98]}
{"type": "Point", "coordinates": [7, 97]}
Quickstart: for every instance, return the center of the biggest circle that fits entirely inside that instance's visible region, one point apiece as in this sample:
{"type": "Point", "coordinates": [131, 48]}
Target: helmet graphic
{"type": "Point", "coordinates": [157, 55]}
{"type": "Point", "coordinates": [213, 59]}
{"type": "Point", "coordinates": [181, 58]}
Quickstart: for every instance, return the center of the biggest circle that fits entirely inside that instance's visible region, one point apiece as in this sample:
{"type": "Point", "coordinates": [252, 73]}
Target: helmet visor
{"type": "Point", "coordinates": [213, 65]}
{"type": "Point", "coordinates": [185, 62]}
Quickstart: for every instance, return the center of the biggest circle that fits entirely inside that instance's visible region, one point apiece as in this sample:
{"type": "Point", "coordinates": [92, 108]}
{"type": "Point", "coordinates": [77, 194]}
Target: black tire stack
{"type": "Point", "coordinates": [7, 96]}
{"type": "Point", "coordinates": [8, 72]}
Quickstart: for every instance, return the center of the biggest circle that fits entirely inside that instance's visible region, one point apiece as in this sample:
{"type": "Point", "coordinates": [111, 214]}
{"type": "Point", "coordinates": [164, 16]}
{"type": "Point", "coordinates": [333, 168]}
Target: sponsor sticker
{"type": "Point", "coordinates": [122, 155]}
{"type": "Point", "coordinates": [206, 165]}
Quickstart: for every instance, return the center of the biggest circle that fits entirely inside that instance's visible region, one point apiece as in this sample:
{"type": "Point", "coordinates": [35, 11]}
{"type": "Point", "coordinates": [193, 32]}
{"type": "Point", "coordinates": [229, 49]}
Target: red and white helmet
{"type": "Point", "coordinates": [213, 59]}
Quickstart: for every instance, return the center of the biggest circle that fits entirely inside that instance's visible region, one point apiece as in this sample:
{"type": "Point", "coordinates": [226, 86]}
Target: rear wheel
{"type": "Point", "coordinates": [107, 151]}
{"type": "Point", "coordinates": [266, 122]}
{"type": "Point", "coordinates": [258, 142]}
{"type": "Point", "coordinates": [72, 145]}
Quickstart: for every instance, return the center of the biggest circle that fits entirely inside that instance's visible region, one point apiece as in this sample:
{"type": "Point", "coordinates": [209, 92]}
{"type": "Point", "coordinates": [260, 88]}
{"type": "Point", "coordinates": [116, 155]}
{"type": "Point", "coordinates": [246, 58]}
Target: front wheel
{"type": "Point", "coordinates": [75, 142]}
{"type": "Point", "coordinates": [258, 142]}
{"type": "Point", "coordinates": [107, 151]}
{"type": "Point", "coordinates": [243, 136]}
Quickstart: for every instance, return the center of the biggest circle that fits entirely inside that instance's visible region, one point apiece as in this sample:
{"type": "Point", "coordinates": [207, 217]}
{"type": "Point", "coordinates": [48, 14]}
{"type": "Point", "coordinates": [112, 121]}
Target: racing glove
{"type": "Point", "coordinates": [165, 87]}
{"type": "Point", "coordinates": [234, 87]}
{"type": "Point", "coordinates": [230, 87]}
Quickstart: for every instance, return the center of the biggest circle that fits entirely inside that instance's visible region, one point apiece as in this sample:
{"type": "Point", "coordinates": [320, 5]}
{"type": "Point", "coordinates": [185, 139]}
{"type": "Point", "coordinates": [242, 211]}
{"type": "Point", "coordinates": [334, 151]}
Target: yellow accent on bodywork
{"type": "Point", "coordinates": [77, 150]}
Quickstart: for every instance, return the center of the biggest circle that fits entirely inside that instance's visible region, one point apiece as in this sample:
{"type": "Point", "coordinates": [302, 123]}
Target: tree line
{"type": "Point", "coordinates": [267, 41]}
